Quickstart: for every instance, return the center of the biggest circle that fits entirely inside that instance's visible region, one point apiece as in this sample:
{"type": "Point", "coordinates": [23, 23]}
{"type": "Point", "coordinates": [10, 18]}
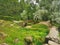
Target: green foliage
{"type": "Point", "coordinates": [55, 17]}
{"type": "Point", "coordinates": [55, 9]}
{"type": "Point", "coordinates": [38, 33]}
{"type": "Point", "coordinates": [41, 27]}
{"type": "Point", "coordinates": [45, 4]}
{"type": "Point", "coordinates": [28, 10]}
{"type": "Point", "coordinates": [24, 15]}
{"type": "Point", "coordinates": [39, 15]}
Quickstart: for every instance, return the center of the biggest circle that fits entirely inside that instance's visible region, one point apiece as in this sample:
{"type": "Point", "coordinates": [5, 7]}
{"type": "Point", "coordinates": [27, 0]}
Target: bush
{"type": "Point", "coordinates": [55, 17]}
{"type": "Point", "coordinates": [39, 15]}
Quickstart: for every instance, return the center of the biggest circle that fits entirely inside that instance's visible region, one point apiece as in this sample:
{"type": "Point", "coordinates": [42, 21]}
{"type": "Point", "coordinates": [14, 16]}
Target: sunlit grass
{"type": "Point", "coordinates": [19, 32]}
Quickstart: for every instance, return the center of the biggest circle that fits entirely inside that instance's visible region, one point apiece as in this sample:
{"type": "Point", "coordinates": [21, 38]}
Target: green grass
{"type": "Point", "coordinates": [38, 32]}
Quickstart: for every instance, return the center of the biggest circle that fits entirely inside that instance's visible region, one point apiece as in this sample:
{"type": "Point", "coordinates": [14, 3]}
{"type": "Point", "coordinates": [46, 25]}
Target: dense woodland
{"type": "Point", "coordinates": [21, 18]}
{"type": "Point", "coordinates": [30, 10]}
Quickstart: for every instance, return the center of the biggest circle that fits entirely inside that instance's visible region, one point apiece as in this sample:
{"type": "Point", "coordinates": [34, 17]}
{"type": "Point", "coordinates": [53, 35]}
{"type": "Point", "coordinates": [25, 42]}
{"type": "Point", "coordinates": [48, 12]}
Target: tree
{"type": "Point", "coordinates": [24, 15]}
{"type": "Point", "coordinates": [55, 8]}
{"type": "Point", "coordinates": [40, 15]}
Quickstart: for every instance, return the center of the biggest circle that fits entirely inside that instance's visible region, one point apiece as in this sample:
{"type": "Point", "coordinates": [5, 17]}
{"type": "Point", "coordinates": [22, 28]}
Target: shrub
{"type": "Point", "coordinates": [39, 15]}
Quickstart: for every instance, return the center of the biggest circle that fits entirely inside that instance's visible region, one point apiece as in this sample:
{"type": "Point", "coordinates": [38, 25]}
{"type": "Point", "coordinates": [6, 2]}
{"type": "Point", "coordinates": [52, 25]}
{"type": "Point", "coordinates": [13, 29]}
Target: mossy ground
{"type": "Point", "coordinates": [37, 31]}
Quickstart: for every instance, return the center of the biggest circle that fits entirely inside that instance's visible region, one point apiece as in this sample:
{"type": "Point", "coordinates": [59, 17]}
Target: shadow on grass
{"type": "Point", "coordinates": [9, 18]}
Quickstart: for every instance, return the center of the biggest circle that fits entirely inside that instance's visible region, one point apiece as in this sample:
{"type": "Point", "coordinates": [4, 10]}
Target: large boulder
{"type": "Point", "coordinates": [52, 43]}
{"type": "Point", "coordinates": [53, 37]}
{"type": "Point", "coordinates": [53, 34]}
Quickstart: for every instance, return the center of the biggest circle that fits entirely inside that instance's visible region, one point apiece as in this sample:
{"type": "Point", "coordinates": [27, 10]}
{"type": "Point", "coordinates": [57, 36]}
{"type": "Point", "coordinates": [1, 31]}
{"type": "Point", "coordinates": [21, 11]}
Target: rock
{"type": "Point", "coordinates": [53, 34]}
{"type": "Point", "coordinates": [1, 22]}
{"type": "Point", "coordinates": [22, 23]}
{"type": "Point", "coordinates": [17, 27]}
{"type": "Point", "coordinates": [28, 40]}
{"type": "Point", "coordinates": [16, 21]}
{"type": "Point", "coordinates": [16, 40]}
{"type": "Point", "coordinates": [28, 26]}
{"type": "Point", "coordinates": [46, 40]}
{"type": "Point", "coordinates": [52, 43]}
{"type": "Point", "coordinates": [45, 44]}
{"type": "Point", "coordinates": [3, 35]}
{"type": "Point", "coordinates": [4, 44]}
{"type": "Point", "coordinates": [47, 23]}
{"type": "Point", "coordinates": [11, 25]}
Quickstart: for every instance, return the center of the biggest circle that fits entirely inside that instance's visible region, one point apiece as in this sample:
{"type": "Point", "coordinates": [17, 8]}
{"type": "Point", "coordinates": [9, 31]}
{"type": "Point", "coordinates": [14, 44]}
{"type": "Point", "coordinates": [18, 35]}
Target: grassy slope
{"type": "Point", "coordinates": [38, 31]}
